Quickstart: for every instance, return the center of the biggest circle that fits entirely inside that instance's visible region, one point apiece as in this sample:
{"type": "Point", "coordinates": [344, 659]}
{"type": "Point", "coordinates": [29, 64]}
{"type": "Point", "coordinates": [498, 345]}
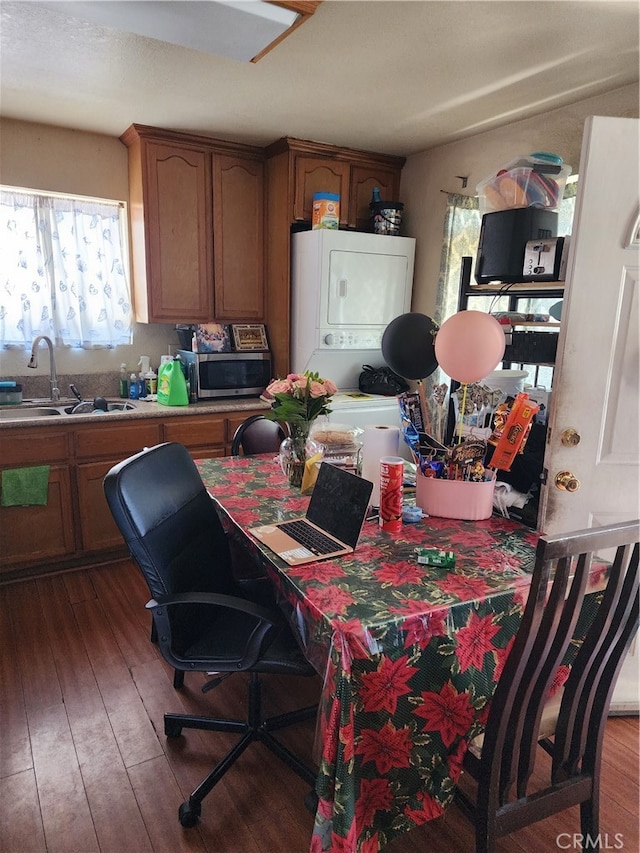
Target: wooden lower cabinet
{"type": "Point", "coordinates": [98, 529]}
{"type": "Point", "coordinates": [30, 534]}
{"type": "Point", "coordinates": [76, 525]}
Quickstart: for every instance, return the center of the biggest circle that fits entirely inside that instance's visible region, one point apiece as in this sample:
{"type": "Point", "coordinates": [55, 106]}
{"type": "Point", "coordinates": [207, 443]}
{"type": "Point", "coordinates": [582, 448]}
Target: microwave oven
{"type": "Point", "coordinates": [229, 374]}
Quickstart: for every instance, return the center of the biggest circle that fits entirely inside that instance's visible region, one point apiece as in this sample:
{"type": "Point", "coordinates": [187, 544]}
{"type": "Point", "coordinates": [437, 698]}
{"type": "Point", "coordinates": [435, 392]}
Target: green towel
{"type": "Point", "coordinates": [25, 486]}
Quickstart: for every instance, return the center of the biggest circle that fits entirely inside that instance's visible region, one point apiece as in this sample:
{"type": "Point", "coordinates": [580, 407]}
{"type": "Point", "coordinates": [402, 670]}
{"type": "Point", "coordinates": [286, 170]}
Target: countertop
{"type": "Point", "coordinates": [143, 409]}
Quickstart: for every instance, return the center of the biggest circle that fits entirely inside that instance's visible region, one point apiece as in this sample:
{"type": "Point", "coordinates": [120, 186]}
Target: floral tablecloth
{"type": "Point", "coordinates": [410, 654]}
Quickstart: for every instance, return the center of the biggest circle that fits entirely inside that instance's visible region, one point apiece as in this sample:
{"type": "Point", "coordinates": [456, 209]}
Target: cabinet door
{"type": "Point", "coordinates": [238, 238]}
{"type": "Point", "coordinates": [177, 223]}
{"type": "Point", "coordinates": [32, 534]}
{"type": "Point", "coordinates": [363, 180]}
{"type": "Point", "coordinates": [98, 529]}
{"type": "Point", "coordinates": [313, 175]}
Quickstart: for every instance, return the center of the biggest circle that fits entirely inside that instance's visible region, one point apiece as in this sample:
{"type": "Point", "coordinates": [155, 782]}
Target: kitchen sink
{"type": "Point", "coordinates": [87, 408]}
{"type": "Point", "coordinates": [28, 412]}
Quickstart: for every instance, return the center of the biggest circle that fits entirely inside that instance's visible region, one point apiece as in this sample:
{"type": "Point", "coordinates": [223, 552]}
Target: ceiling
{"type": "Point", "coordinates": [396, 77]}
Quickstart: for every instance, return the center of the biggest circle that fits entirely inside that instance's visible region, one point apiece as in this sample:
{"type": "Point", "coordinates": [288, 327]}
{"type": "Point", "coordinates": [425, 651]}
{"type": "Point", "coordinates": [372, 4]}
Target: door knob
{"type": "Point", "coordinates": [570, 437]}
{"type": "Point", "coordinates": [567, 482]}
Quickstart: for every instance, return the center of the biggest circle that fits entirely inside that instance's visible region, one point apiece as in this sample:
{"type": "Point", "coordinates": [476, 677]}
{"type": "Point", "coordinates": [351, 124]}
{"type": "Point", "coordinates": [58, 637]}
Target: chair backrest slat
{"type": "Point", "coordinates": [557, 614]}
{"type": "Point", "coordinates": [597, 663]}
{"type": "Point", "coordinates": [561, 631]}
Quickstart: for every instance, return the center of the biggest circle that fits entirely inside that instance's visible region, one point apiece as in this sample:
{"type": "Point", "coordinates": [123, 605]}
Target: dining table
{"type": "Point", "coordinates": [409, 654]}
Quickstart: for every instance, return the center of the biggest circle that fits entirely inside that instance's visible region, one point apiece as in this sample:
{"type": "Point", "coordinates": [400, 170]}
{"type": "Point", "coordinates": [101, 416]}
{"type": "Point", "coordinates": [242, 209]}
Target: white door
{"type": "Point", "coordinates": [595, 397]}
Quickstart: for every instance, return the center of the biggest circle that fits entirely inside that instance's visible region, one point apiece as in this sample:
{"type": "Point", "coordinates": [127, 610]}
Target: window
{"type": "Point", "coordinates": [63, 270]}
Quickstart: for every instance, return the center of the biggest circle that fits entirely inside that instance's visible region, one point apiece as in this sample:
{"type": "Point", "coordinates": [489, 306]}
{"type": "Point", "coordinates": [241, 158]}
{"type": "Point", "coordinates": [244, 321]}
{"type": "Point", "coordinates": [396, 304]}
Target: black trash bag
{"type": "Point", "coordinates": [381, 380]}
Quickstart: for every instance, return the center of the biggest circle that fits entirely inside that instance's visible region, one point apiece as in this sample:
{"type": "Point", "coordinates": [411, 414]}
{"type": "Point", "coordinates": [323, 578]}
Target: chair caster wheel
{"type": "Point", "coordinates": [172, 729]}
{"type": "Point", "coordinates": [311, 802]}
{"type": "Point", "coordinates": [189, 814]}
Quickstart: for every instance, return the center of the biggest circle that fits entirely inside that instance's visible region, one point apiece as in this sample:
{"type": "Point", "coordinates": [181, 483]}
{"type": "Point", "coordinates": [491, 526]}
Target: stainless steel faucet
{"type": "Point", "coordinates": [33, 362]}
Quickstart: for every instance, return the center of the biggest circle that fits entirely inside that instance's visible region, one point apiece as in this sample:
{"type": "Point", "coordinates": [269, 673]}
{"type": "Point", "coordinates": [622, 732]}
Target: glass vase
{"type": "Point", "coordinates": [295, 450]}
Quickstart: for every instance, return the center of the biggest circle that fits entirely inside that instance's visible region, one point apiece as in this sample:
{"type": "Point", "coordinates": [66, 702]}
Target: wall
{"type": "Point", "coordinates": [37, 156]}
{"type": "Point", "coordinates": [49, 158]}
{"type": "Point", "coordinates": [425, 175]}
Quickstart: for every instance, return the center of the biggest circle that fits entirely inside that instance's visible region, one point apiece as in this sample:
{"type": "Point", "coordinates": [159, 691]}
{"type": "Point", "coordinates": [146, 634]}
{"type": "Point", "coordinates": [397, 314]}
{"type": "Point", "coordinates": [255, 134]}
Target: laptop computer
{"type": "Point", "coordinates": [332, 523]}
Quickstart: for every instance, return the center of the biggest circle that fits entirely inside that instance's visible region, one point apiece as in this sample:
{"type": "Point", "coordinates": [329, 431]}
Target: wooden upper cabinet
{"type": "Point", "coordinates": [313, 175]}
{"type": "Point", "coordinates": [238, 238]}
{"type": "Point", "coordinates": [351, 173]}
{"type": "Point", "coordinates": [364, 179]}
{"type": "Point", "coordinates": [197, 226]}
{"type": "Point", "coordinates": [171, 228]}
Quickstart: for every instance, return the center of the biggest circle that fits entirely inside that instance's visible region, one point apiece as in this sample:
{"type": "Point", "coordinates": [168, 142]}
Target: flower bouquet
{"type": "Point", "coordinates": [297, 401]}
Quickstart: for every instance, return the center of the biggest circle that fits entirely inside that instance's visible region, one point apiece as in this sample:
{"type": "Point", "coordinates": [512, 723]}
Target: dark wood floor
{"type": "Point", "coordinates": [85, 766]}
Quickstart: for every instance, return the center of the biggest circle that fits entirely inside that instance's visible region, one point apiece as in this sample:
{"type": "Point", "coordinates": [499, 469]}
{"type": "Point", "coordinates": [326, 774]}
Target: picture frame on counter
{"type": "Point", "coordinates": [213, 337]}
{"type": "Point", "coordinates": [249, 336]}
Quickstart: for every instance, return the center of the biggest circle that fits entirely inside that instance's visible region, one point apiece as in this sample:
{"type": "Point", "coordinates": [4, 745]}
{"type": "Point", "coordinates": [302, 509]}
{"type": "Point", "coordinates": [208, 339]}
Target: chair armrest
{"type": "Point", "coordinates": [267, 625]}
{"type": "Point", "coordinates": [231, 602]}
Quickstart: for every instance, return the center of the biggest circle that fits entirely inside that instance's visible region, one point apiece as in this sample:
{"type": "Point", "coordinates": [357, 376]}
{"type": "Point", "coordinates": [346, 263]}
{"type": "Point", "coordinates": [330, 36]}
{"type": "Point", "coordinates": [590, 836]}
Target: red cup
{"type": "Point", "coordinates": [391, 476]}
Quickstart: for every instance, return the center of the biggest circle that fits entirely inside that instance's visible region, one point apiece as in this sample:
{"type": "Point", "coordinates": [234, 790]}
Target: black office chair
{"type": "Point", "coordinates": [257, 435]}
{"type": "Point", "coordinates": [570, 727]}
{"type": "Point", "coordinates": [204, 620]}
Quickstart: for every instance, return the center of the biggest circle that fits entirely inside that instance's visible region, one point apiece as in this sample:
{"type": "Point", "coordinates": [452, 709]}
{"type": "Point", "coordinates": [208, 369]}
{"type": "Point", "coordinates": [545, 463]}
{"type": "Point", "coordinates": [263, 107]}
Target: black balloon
{"type": "Point", "coordinates": [408, 345]}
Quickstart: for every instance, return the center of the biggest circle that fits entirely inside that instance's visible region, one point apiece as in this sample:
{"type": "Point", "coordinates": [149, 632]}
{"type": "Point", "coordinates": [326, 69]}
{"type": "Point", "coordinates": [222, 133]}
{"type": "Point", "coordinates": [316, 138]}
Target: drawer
{"type": "Point", "coordinates": [118, 441]}
{"type": "Point", "coordinates": [34, 446]}
{"type": "Point", "coordinates": [200, 431]}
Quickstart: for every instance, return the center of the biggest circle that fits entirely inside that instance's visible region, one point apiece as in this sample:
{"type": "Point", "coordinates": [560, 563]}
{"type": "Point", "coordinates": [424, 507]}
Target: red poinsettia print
{"type": "Point", "coordinates": [375, 796]}
{"type": "Point", "coordinates": [371, 845]}
{"type": "Point", "coordinates": [501, 656]}
{"type": "Point", "coordinates": [474, 641]}
{"type": "Point", "coordinates": [387, 747]}
{"type": "Point", "coordinates": [347, 740]}
{"type": "Point", "coordinates": [321, 573]}
{"type": "Point", "coordinates": [427, 810]}
{"type": "Point", "coordinates": [380, 690]}
{"type": "Point", "coordinates": [420, 630]}
{"type": "Point", "coordinates": [330, 600]}
{"type": "Point", "coordinates": [449, 713]}
{"type": "Point", "coordinates": [496, 561]}
{"type": "Point", "coordinates": [399, 573]}
{"type": "Point", "coordinates": [559, 679]}
{"type": "Point", "coordinates": [456, 758]}
{"type": "Point", "coordinates": [463, 587]}
{"type": "Point", "coordinates": [355, 641]}
{"type": "Point", "coordinates": [345, 845]}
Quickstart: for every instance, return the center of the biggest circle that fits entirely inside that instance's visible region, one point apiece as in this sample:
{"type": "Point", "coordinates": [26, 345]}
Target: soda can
{"type": "Point", "coordinates": [391, 476]}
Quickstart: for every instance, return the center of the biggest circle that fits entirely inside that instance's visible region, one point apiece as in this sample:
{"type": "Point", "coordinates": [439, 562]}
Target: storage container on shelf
{"type": "Point", "coordinates": [535, 180]}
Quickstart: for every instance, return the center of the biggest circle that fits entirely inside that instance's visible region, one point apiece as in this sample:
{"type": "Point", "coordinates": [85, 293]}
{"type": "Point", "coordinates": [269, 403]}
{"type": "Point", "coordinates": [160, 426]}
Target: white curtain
{"type": "Point", "coordinates": [63, 271]}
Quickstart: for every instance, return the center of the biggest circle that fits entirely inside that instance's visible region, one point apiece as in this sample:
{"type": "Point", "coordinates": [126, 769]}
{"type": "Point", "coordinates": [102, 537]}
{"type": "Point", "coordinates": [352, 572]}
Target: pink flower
{"type": "Point", "coordinates": [330, 387]}
{"type": "Point", "coordinates": [280, 386]}
{"type": "Point", "coordinates": [317, 389]}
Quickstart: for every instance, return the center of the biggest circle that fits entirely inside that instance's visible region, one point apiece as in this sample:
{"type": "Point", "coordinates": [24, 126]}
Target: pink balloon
{"type": "Point", "coordinates": [469, 345]}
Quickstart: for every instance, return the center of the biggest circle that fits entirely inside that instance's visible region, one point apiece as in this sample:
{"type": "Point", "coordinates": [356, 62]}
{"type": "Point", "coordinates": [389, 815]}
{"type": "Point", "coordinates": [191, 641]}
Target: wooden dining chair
{"type": "Point", "coordinates": [570, 727]}
{"type": "Point", "coordinates": [257, 435]}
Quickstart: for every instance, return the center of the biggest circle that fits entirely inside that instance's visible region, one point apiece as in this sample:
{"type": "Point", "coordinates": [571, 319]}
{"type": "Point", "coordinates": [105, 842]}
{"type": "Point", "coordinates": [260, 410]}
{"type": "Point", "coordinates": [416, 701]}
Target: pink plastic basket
{"type": "Point", "coordinates": [455, 498]}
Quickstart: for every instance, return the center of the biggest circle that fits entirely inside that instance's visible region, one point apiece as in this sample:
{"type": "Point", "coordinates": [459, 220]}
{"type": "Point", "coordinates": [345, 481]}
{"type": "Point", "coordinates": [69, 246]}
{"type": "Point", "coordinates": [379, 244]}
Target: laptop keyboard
{"type": "Point", "coordinates": [312, 539]}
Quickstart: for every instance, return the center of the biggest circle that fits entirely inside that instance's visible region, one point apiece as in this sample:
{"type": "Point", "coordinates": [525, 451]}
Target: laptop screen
{"type": "Point", "coordinates": [339, 503]}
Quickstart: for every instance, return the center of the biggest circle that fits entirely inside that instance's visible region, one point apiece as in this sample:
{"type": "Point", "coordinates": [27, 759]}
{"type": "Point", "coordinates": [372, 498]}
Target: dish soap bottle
{"type": "Point", "coordinates": [172, 386]}
{"type": "Point", "coordinates": [134, 390]}
{"type": "Point", "coordinates": [124, 382]}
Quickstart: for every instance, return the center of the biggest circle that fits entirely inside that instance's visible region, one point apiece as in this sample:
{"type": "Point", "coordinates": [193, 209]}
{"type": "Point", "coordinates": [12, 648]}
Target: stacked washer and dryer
{"type": "Point", "coordinates": [346, 288]}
